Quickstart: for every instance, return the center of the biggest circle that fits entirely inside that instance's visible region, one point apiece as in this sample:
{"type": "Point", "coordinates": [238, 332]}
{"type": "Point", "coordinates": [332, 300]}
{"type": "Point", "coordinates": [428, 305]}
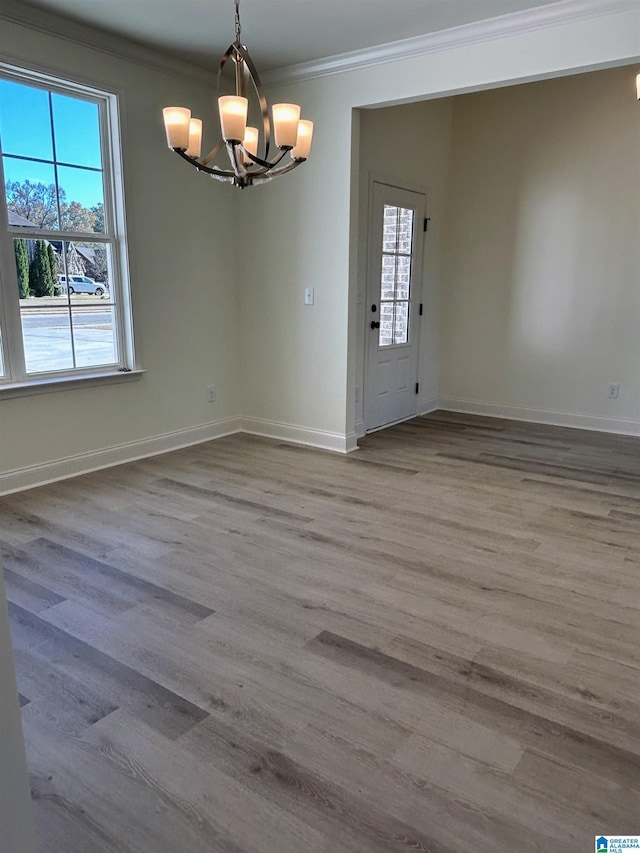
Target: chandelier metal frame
{"type": "Point", "coordinates": [247, 167]}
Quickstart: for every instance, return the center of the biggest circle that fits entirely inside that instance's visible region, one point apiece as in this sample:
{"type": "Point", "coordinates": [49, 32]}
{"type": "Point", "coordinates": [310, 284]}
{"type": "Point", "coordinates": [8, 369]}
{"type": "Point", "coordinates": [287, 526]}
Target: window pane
{"type": "Point", "coordinates": [87, 285]}
{"type": "Point", "coordinates": [46, 332]}
{"type": "Point", "coordinates": [46, 328]}
{"type": "Point", "coordinates": [68, 319]}
{"type": "Point", "coordinates": [85, 271]}
{"type": "Point", "coordinates": [23, 251]}
{"type": "Point", "coordinates": [36, 268]}
{"type": "Point", "coordinates": [81, 198]}
{"type": "Point", "coordinates": [93, 334]}
{"type": "Point", "coordinates": [25, 121]}
{"type": "Point", "coordinates": [77, 131]}
{"type": "Point", "coordinates": [390, 229]}
{"type": "Point", "coordinates": [401, 323]}
{"type": "Point", "coordinates": [31, 193]}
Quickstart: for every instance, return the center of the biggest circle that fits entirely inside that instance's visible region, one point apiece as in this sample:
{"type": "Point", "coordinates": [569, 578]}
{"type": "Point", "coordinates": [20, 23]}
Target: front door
{"type": "Point", "coordinates": [392, 331]}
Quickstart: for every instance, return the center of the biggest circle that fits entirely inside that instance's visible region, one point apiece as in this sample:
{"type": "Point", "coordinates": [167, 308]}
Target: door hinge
{"type": "Point", "coordinates": [426, 223]}
{"type": "Point", "coordinates": [420, 312]}
{"type": "Point", "coordinates": [417, 387]}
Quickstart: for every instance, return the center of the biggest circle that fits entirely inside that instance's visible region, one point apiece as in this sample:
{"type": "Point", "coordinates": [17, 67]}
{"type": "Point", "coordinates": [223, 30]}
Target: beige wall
{"type": "Point", "coordinates": [218, 276]}
{"type": "Point", "coordinates": [183, 282]}
{"type": "Point", "coordinates": [294, 356]}
{"type": "Point", "coordinates": [540, 308]}
{"type": "Point", "coordinates": [300, 363]}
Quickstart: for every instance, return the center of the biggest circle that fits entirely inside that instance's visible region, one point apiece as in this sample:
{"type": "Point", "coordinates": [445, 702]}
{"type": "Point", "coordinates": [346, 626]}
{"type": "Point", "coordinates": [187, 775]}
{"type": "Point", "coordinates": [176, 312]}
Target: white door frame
{"type": "Point", "coordinates": [372, 270]}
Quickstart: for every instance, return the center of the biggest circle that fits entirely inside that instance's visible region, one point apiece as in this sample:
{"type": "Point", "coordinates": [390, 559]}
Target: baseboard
{"type": "Point", "coordinates": [84, 463]}
{"type": "Point", "coordinates": [620, 426]}
{"type": "Point", "coordinates": [425, 407]}
{"type": "Point", "coordinates": [335, 441]}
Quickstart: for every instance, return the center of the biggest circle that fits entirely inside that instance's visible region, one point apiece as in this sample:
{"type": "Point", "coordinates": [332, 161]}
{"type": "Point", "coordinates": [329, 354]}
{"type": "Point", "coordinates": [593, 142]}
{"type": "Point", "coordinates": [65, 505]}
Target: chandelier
{"type": "Point", "coordinates": [291, 135]}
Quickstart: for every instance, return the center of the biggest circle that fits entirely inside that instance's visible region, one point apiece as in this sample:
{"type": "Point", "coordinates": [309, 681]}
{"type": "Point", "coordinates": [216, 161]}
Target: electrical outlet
{"type": "Point", "coordinates": [211, 394]}
{"type": "Point", "coordinates": [614, 390]}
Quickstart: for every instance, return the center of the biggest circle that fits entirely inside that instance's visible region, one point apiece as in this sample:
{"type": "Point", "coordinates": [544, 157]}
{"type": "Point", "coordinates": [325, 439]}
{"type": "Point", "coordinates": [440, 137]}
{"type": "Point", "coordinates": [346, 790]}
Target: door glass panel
{"type": "Point", "coordinates": [390, 229]}
{"type": "Point", "coordinates": [402, 277]}
{"type": "Point", "coordinates": [388, 279]}
{"type": "Point", "coordinates": [401, 323]}
{"type": "Point", "coordinates": [386, 324]}
{"type": "Point", "coordinates": [395, 276]}
{"type": "Point", "coordinates": [405, 230]}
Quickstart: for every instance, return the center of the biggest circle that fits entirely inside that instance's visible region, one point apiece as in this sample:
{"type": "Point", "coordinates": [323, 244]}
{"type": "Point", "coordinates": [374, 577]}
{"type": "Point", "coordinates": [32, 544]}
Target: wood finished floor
{"type": "Point", "coordinates": [431, 644]}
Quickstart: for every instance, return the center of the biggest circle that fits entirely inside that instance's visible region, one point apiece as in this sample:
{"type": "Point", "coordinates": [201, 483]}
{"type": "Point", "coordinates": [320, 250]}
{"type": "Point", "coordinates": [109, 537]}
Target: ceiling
{"type": "Point", "coordinates": [278, 32]}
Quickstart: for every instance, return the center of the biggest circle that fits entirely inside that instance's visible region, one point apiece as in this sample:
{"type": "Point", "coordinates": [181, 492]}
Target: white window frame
{"type": "Point", "coordinates": [16, 380]}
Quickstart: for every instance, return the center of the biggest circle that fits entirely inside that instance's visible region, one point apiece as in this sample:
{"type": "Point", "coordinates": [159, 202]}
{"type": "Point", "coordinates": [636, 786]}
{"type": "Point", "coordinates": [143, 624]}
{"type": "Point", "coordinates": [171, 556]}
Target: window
{"type": "Point", "coordinates": [395, 276]}
{"type": "Point", "coordinates": [64, 311]}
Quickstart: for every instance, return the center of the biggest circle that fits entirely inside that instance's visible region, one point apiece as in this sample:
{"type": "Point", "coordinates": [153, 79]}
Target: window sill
{"type": "Point", "coordinates": [34, 387]}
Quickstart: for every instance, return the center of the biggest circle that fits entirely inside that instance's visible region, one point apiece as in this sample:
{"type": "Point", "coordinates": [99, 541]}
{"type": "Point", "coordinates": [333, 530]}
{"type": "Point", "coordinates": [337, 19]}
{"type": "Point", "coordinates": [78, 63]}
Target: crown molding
{"type": "Point", "coordinates": [512, 24]}
{"type": "Point", "coordinates": [515, 23]}
{"type": "Point", "coordinates": [43, 21]}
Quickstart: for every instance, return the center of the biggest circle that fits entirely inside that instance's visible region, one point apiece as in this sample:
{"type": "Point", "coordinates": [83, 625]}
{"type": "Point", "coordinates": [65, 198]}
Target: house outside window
{"type": "Point", "coordinates": [65, 309]}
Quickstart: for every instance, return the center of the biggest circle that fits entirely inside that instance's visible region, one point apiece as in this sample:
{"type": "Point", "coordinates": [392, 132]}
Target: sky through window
{"type": "Point", "coordinates": [39, 129]}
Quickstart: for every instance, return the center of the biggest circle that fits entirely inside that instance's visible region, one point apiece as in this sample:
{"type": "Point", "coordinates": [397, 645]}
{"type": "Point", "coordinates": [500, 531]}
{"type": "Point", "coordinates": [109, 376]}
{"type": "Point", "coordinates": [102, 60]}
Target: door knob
{"type": "Point", "coordinates": [375, 324]}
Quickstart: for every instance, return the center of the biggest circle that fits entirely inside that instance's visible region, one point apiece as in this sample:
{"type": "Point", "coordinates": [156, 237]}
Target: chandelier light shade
{"type": "Point", "coordinates": [285, 124]}
{"type": "Point", "coordinates": [176, 123]}
{"type": "Point", "coordinates": [302, 148]}
{"type": "Point", "coordinates": [291, 135]}
{"type": "Point", "coordinates": [250, 143]}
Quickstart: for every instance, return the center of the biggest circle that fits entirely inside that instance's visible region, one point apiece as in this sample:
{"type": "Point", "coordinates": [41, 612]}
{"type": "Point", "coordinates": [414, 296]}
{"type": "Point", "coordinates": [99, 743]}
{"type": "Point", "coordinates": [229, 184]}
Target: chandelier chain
{"type": "Point", "coordinates": [238, 27]}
